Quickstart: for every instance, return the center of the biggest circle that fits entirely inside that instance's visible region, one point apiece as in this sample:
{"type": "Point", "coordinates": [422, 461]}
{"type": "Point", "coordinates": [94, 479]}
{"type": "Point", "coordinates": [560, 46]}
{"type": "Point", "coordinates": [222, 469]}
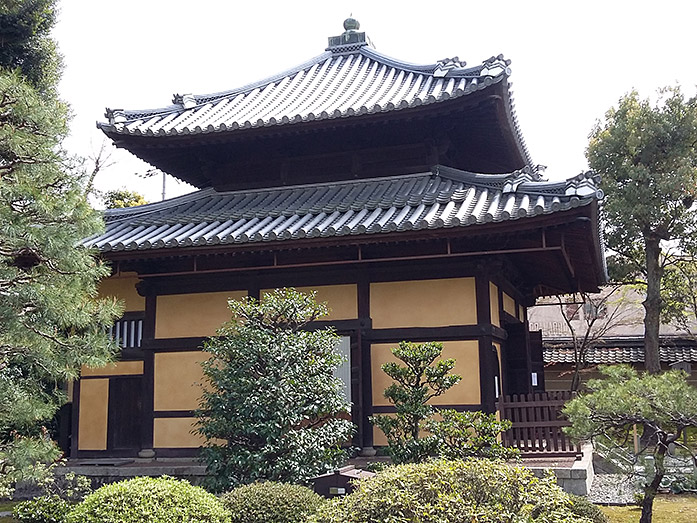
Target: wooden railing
{"type": "Point", "coordinates": [537, 424]}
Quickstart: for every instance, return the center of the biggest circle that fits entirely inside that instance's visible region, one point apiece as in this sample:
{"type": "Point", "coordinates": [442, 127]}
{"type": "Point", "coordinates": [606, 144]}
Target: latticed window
{"type": "Point", "coordinates": [128, 330]}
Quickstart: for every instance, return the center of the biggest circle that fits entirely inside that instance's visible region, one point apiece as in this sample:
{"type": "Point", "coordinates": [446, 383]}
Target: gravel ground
{"type": "Point", "coordinates": [612, 489]}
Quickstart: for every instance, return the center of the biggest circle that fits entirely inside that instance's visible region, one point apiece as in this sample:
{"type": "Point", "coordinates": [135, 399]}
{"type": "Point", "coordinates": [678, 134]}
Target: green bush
{"type": "Point", "coordinates": [273, 397]}
{"type": "Point", "coordinates": [271, 502]}
{"type": "Point", "coordinates": [44, 509]}
{"type": "Point", "coordinates": [69, 486]}
{"type": "Point", "coordinates": [582, 507]}
{"type": "Point", "coordinates": [155, 500]}
{"type": "Point", "coordinates": [59, 494]}
{"type": "Point", "coordinates": [419, 380]}
{"type": "Point", "coordinates": [470, 434]}
{"type": "Point", "coordinates": [453, 492]}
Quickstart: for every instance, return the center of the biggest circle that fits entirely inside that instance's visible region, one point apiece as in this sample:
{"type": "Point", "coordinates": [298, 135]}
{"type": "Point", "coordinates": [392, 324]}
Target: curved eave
{"type": "Point", "coordinates": [498, 120]}
{"type": "Point", "coordinates": [445, 199]}
{"type": "Point", "coordinates": [114, 131]}
{"type": "Point", "coordinates": [365, 83]}
{"type": "Point", "coordinates": [546, 270]}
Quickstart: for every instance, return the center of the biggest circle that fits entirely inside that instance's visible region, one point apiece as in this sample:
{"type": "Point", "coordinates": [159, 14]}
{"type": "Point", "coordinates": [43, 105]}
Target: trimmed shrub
{"type": "Point", "coordinates": [44, 509]}
{"type": "Point", "coordinates": [582, 507]}
{"type": "Point", "coordinates": [273, 397]}
{"type": "Point", "coordinates": [420, 379]}
{"type": "Point", "coordinates": [453, 492]}
{"type": "Point", "coordinates": [155, 500]}
{"type": "Point", "coordinates": [271, 502]}
{"type": "Point", "coordinates": [470, 434]}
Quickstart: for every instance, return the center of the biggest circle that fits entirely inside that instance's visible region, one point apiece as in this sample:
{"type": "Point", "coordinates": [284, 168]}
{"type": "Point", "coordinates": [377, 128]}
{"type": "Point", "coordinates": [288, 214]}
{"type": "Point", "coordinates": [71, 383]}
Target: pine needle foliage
{"type": "Point", "coordinates": [663, 404]}
{"type": "Point", "coordinates": [273, 409]}
{"type": "Point", "coordinates": [51, 322]}
{"type": "Point", "coordinates": [417, 379]}
{"type": "Point", "coordinates": [646, 154]}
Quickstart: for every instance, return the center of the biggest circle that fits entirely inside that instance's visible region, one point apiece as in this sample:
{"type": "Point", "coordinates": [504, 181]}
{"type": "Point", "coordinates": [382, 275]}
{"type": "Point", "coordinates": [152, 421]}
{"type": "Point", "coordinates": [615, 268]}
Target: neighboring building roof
{"type": "Point", "coordinates": [347, 80]}
{"type": "Point", "coordinates": [622, 351]}
{"type": "Point", "coordinates": [440, 199]}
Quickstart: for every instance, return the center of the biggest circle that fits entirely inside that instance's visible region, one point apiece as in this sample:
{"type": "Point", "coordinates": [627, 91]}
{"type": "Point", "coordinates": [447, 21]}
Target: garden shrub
{"type": "Point", "coordinates": [69, 486]}
{"type": "Point", "coordinates": [441, 491]}
{"type": "Point", "coordinates": [582, 507]}
{"type": "Point", "coordinates": [470, 434]}
{"type": "Point", "coordinates": [44, 509]}
{"type": "Point", "coordinates": [419, 380]}
{"type": "Point", "coordinates": [153, 500]}
{"type": "Point", "coordinates": [271, 502]}
{"type": "Point", "coordinates": [59, 494]}
{"type": "Point", "coordinates": [272, 396]}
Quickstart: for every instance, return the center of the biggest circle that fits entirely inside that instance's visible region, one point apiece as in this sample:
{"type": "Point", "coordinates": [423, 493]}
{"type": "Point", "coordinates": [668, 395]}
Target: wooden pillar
{"type": "Point", "coordinates": [365, 368]}
{"type": "Point", "coordinates": [75, 421]}
{"type": "Point", "coordinates": [487, 354]}
{"type": "Point", "coordinates": [148, 392]}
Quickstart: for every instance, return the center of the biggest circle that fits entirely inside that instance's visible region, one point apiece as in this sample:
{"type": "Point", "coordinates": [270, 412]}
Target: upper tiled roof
{"type": "Point", "coordinates": [670, 352]}
{"type": "Point", "coordinates": [343, 82]}
{"type": "Point", "coordinates": [443, 198]}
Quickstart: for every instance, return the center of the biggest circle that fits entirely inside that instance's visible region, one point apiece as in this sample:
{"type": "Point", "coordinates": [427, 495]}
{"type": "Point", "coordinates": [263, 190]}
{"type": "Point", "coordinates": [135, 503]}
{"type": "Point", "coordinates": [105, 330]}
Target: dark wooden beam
{"type": "Point", "coordinates": [365, 380]}
{"type": "Point", "coordinates": [148, 390]}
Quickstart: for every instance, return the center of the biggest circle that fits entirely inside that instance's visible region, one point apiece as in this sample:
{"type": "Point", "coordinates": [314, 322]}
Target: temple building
{"type": "Point", "coordinates": [402, 194]}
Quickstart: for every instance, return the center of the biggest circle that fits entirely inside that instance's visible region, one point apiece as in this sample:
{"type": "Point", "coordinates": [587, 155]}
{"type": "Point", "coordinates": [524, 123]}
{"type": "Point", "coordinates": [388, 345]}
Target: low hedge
{"type": "Point", "coordinates": [155, 500]}
{"type": "Point", "coordinates": [44, 509]}
{"type": "Point", "coordinates": [271, 502]}
{"type": "Point", "coordinates": [582, 507]}
{"type": "Point", "coordinates": [453, 492]}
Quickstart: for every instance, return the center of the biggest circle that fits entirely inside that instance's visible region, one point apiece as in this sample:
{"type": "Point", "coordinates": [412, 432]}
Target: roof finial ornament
{"type": "Point", "coordinates": [351, 39]}
{"type": "Point", "coordinates": [114, 115]}
{"type": "Point", "coordinates": [351, 24]}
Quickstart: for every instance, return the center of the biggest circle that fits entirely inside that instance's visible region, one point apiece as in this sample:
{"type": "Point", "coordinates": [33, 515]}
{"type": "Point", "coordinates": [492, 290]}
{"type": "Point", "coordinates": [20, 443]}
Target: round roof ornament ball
{"type": "Point", "coordinates": [351, 24]}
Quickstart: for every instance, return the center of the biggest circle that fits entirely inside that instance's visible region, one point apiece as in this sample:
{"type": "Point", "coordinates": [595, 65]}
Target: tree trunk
{"type": "Point", "coordinates": [576, 378]}
{"type": "Point", "coordinates": [652, 304]}
{"type": "Point", "coordinates": [651, 489]}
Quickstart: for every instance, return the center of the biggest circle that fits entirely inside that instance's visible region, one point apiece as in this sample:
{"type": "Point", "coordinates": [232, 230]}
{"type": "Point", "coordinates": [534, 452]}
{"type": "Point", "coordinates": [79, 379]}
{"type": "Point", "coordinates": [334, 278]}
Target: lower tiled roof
{"type": "Point", "coordinates": [433, 200]}
{"type": "Point", "coordinates": [670, 352]}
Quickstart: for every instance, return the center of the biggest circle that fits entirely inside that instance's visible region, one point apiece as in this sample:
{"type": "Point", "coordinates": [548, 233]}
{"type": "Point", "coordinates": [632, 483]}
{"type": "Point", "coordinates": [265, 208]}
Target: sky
{"type": "Point", "coordinates": [571, 60]}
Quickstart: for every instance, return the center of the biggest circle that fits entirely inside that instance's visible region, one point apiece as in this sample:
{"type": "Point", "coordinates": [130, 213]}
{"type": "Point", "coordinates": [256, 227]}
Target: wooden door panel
{"type": "Point", "coordinates": [125, 413]}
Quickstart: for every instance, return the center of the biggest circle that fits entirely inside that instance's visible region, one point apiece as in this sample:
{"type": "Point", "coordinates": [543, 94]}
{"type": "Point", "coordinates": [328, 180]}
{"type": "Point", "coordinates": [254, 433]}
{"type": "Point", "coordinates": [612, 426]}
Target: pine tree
{"type": "Point", "coordinates": [647, 156]}
{"type": "Point", "coordinates": [664, 404]}
{"type": "Point", "coordinates": [273, 398]}
{"type": "Point", "coordinates": [51, 322]}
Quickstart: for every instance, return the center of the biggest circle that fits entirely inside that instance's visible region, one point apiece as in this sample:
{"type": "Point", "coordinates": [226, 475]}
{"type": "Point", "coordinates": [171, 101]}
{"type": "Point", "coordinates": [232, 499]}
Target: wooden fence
{"type": "Point", "coordinates": [537, 424]}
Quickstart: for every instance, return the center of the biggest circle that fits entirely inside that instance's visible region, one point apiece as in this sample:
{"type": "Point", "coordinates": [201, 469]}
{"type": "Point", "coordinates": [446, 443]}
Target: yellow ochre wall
{"type": "Point", "coordinates": [176, 433]}
{"type": "Point", "coordinates": [187, 315]}
{"type": "Point", "coordinates": [120, 368]}
{"type": "Point", "coordinates": [123, 287]}
{"type": "Point", "coordinates": [494, 304]}
{"type": "Point", "coordinates": [94, 406]}
{"type": "Point", "coordinates": [466, 354]}
{"type": "Point", "coordinates": [497, 346]}
{"type": "Point", "coordinates": [341, 299]}
{"type": "Point", "coordinates": [177, 379]}
{"type": "Point", "coordinates": [509, 305]}
{"type": "Point", "coordinates": [423, 303]}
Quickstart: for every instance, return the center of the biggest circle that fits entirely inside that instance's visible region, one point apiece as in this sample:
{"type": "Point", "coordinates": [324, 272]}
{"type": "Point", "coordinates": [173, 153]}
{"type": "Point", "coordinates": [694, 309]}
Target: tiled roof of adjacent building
{"type": "Point", "coordinates": [622, 352]}
{"type": "Point", "coordinates": [347, 80]}
{"type": "Point", "coordinates": [440, 199]}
